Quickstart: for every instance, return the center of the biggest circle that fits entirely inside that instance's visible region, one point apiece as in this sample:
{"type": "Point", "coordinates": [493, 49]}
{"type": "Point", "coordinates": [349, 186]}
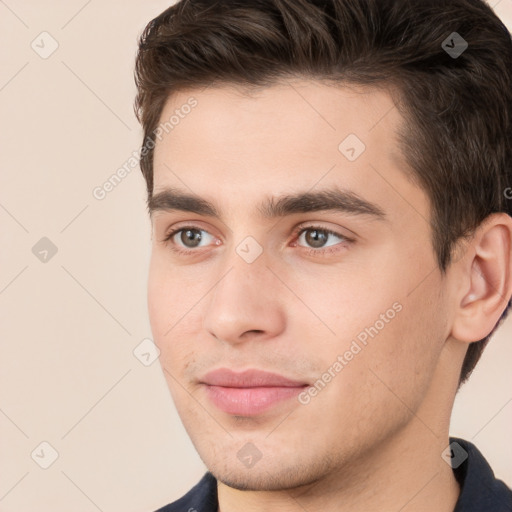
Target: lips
{"type": "Point", "coordinates": [250, 392]}
{"type": "Point", "coordinates": [248, 379]}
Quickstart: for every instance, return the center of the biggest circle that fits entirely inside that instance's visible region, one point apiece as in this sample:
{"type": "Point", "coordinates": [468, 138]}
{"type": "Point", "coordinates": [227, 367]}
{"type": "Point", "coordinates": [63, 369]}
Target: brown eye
{"type": "Point", "coordinates": [190, 237]}
{"type": "Point", "coordinates": [187, 238]}
{"type": "Point", "coordinates": [317, 238]}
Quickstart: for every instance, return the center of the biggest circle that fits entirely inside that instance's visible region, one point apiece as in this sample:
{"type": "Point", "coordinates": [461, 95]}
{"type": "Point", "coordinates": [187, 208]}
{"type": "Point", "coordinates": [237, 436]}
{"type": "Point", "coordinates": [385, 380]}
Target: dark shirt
{"type": "Point", "coordinates": [480, 491]}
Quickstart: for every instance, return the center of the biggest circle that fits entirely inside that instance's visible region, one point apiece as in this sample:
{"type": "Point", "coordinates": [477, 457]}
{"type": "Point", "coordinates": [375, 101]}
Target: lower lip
{"type": "Point", "coordinates": [249, 401]}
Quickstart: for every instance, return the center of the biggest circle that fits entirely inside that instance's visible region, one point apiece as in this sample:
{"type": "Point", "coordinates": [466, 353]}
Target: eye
{"type": "Point", "coordinates": [317, 237]}
{"type": "Point", "coordinates": [187, 238]}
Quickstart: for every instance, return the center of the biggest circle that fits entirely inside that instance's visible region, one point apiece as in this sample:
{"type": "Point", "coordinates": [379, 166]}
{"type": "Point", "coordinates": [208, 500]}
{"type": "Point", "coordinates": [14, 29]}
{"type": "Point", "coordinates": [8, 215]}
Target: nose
{"type": "Point", "coordinates": [245, 303]}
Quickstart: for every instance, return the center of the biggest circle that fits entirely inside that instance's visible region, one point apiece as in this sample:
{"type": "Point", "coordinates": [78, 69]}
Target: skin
{"type": "Point", "coordinates": [372, 439]}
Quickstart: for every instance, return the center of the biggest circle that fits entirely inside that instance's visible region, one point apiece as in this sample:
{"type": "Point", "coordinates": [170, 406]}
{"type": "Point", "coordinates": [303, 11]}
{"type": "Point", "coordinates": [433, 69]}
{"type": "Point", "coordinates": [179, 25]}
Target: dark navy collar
{"type": "Point", "coordinates": [201, 498]}
{"type": "Point", "coordinates": [480, 490]}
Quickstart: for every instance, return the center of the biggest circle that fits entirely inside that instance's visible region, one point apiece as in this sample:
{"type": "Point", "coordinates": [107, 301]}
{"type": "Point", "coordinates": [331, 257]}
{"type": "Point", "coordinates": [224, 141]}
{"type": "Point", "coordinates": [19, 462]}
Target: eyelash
{"type": "Point", "coordinates": [297, 232]}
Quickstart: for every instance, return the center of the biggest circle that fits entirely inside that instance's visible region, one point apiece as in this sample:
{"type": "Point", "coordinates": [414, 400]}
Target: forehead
{"type": "Point", "coordinates": [318, 104]}
{"type": "Point", "coordinates": [292, 135]}
{"type": "Point", "coordinates": [296, 116]}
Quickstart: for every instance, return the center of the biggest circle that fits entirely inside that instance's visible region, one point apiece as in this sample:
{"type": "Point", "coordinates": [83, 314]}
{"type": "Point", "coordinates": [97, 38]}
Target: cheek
{"type": "Point", "coordinates": [350, 305]}
{"type": "Point", "coordinates": [173, 318]}
{"type": "Point", "coordinates": [404, 356]}
{"type": "Point", "coordinates": [159, 302]}
{"type": "Point", "coordinates": [392, 337]}
{"type": "Point", "coordinates": [163, 305]}
{"type": "Point", "coordinates": [165, 296]}
{"type": "Point", "coordinates": [393, 368]}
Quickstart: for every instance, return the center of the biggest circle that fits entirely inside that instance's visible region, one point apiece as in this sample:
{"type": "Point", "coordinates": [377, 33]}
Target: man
{"type": "Point", "coordinates": [327, 183]}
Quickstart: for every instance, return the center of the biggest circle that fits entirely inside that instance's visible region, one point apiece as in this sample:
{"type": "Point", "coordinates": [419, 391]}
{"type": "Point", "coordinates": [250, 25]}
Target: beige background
{"type": "Point", "coordinates": [69, 325]}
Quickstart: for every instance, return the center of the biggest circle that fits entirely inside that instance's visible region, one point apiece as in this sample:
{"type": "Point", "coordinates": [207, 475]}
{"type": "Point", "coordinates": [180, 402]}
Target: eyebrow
{"type": "Point", "coordinates": [334, 199]}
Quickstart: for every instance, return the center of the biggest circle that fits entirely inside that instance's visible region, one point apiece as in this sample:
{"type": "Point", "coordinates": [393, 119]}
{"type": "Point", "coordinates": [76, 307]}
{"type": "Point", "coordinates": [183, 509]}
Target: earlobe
{"type": "Point", "coordinates": [486, 271]}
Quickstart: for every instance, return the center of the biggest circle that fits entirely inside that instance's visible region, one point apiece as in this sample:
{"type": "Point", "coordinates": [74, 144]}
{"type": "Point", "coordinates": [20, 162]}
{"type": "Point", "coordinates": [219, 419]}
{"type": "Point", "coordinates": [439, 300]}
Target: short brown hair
{"type": "Point", "coordinates": [457, 109]}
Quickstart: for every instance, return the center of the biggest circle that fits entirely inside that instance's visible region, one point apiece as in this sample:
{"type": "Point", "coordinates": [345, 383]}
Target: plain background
{"type": "Point", "coordinates": [70, 325]}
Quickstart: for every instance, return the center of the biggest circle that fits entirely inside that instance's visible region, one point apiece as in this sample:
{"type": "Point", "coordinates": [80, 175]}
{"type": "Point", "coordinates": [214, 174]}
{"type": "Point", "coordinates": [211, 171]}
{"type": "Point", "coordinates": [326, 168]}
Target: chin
{"type": "Point", "coordinates": [267, 478]}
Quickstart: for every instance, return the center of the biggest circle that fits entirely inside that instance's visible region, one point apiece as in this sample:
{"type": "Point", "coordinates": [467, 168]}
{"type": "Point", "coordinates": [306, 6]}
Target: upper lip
{"type": "Point", "coordinates": [248, 379]}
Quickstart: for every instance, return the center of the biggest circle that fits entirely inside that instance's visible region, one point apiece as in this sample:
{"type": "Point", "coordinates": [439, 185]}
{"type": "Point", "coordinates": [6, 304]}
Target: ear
{"type": "Point", "coordinates": [485, 285]}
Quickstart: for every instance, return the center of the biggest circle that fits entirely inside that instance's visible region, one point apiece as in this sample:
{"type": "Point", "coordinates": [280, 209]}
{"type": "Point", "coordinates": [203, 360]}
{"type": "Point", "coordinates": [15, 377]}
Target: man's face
{"type": "Point", "coordinates": [359, 317]}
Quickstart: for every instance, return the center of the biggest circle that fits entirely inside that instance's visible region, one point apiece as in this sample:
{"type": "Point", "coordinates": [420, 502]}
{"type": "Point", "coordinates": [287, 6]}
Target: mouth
{"type": "Point", "coordinates": [250, 392]}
